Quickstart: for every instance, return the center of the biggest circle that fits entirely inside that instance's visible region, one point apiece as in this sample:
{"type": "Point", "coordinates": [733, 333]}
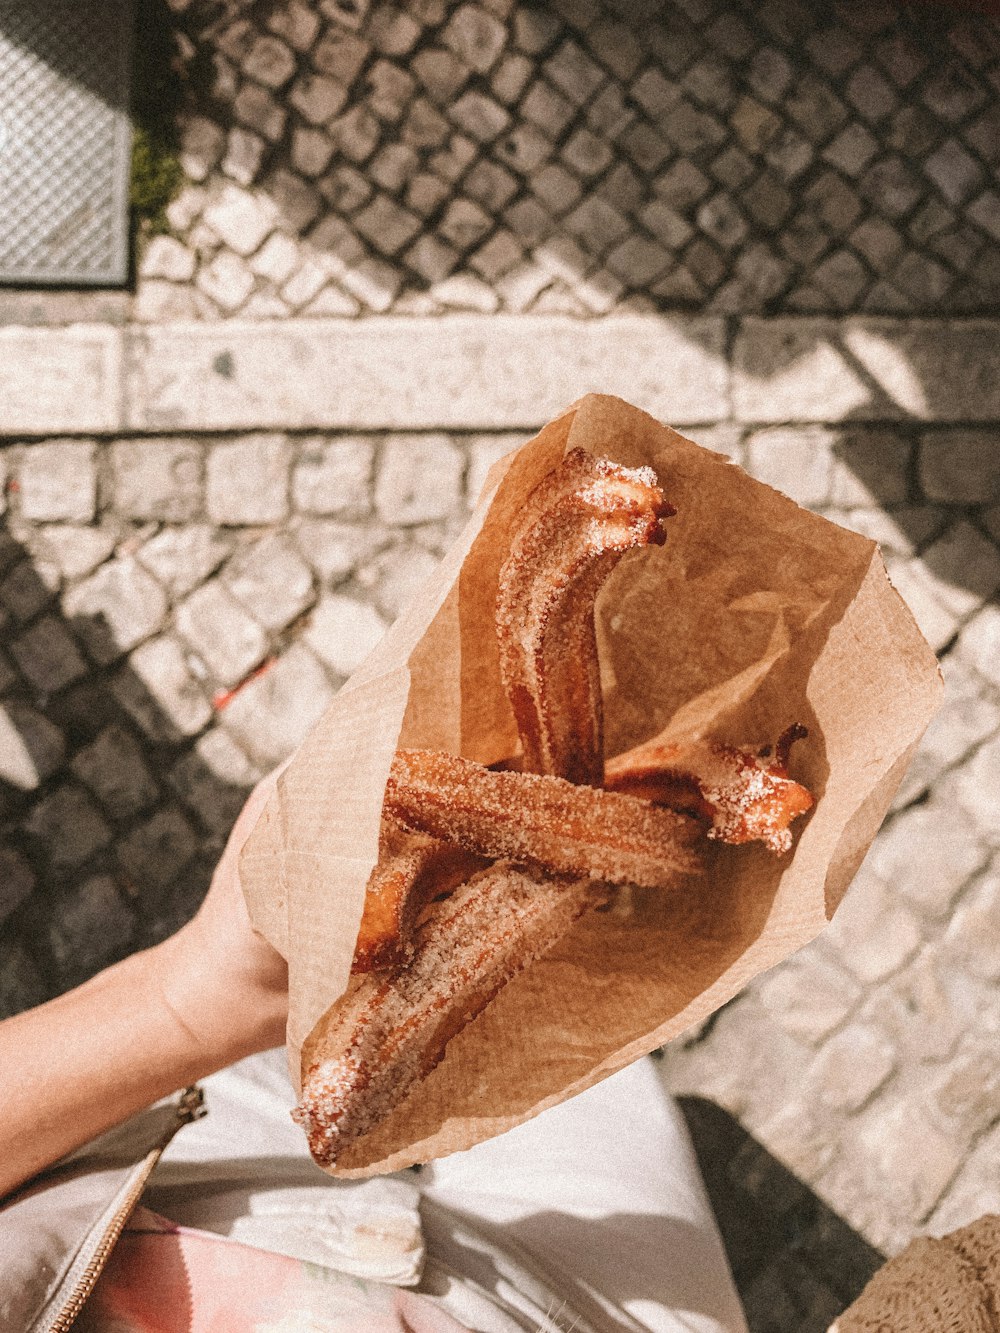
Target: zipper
{"type": "Point", "coordinates": [190, 1106]}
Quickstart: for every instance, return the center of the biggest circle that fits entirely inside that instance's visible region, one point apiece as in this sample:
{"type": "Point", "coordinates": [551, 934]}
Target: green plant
{"type": "Point", "coordinates": [156, 173]}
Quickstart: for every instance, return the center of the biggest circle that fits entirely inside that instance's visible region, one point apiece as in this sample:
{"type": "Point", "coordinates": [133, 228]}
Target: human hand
{"type": "Point", "coordinates": [223, 981]}
{"type": "Point", "coordinates": [157, 1021]}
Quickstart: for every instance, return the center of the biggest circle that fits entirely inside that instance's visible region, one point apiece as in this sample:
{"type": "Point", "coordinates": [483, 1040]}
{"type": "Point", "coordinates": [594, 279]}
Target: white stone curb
{"type": "Point", "coordinates": [499, 372]}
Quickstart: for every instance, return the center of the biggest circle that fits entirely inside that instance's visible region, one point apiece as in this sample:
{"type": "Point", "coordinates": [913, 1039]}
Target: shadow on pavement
{"type": "Point", "coordinates": [110, 820]}
{"type": "Point", "coordinates": [796, 1263]}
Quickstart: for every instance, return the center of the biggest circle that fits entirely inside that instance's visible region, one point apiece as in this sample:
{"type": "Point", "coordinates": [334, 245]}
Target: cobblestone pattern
{"type": "Point", "coordinates": [169, 632]}
{"type": "Point", "coordinates": [581, 156]}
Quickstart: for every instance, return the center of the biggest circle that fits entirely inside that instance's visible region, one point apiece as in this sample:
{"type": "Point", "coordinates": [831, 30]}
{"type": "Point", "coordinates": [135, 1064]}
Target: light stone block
{"type": "Point", "coordinates": [61, 379]}
{"type": "Point", "coordinates": [874, 932]}
{"type": "Point", "coordinates": [974, 1191]}
{"type": "Point", "coordinates": [484, 451]}
{"type": "Point", "coordinates": [419, 480]}
{"type": "Point", "coordinates": [970, 940]}
{"type": "Point", "coordinates": [58, 481]}
{"type": "Point", "coordinates": [965, 1098]}
{"type": "Point", "coordinates": [342, 632]}
{"type": "Point", "coordinates": [272, 581]}
{"type": "Point", "coordinates": [115, 608]}
{"type": "Point", "coordinates": [157, 478]}
{"type": "Point", "coordinates": [975, 786]}
{"type": "Point", "coordinates": [969, 714]}
{"type": "Point", "coordinates": [454, 372]}
{"type": "Point", "coordinates": [808, 997]}
{"type": "Point", "coordinates": [818, 369]}
{"type": "Point", "coordinates": [161, 667]}
{"type": "Point", "coordinates": [927, 854]}
{"type": "Point", "coordinates": [168, 258]}
{"type": "Point", "coordinates": [851, 1067]}
{"type": "Point", "coordinates": [919, 590]}
{"type": "Point", "coordinates": [226, 280]}
{"type": "Point", "coordinates": [272, 714]}
{"type": "Point", "coordinates": [76, 549]}
{"type": "Point", "coordinates": [247, 480]}
{"type": "Point", "coordinates": [475, 36]}
{"type": "Point", "coordinates": [31, 748]}
{"type": "Point", "coordinates": [182, 558]}
{"type": "Point", "coordinates": [334, 549]}
{"type": "Point", "coordinates": [797, 462]}
{"type": "Point", "coordinates": [396, 577]}
{"type": "Point", "coordinates": [334, 477]}
{"type": "Point", "coordinates": [225, 637]}
{"type": "Point", "coordinates": [926, 1008]}
{"type": "Point", "coordinates": [979, 643]}
{"type": "Point", "coordinates": [910, 1159]}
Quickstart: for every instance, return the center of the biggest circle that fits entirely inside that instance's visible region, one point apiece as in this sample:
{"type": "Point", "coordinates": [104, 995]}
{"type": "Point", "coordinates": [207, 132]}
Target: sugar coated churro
{"type": "Point", "coordinates": [744, 797]}
{"type": "Point", "coordinates": [391, 1028]}
{"type": "Point", "coordinates": [542, 821]}
{"type": "Point", "coordinates": [411, 870]}
{"type": "Point", "coordinates": [576, 526]}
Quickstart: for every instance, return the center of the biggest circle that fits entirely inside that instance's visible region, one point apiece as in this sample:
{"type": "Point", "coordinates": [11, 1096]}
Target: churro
{"type": "Point", "coordinates": [541, 821]}
{"type": "Point", "coordinates": [412, 869]}
{"type": "Point", "coordinates": [391, 1028]}
{"type": "Point", "coordinates": [742, 796]}
{"type": "Point", "coordinates": [575, 527]}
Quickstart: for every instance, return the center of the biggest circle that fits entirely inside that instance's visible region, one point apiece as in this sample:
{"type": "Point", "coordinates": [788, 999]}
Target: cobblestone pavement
{"type": "Point", "coordinates": [581, 156]}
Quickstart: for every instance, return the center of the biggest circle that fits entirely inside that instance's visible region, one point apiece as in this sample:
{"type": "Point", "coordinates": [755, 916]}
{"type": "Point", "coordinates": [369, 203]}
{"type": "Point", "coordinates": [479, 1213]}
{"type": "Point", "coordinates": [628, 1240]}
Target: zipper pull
{"type": "Point", "coordinates": [191, 1104]}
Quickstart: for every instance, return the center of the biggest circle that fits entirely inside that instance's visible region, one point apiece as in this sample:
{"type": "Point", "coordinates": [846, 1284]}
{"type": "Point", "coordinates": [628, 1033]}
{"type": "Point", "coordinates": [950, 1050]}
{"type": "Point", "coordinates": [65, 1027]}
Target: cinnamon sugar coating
{"type": "Point", "coordinates": [411, 870]}
{"type": "Point", "coordinates": [391, 1028]}
{"type": "Point", "coordinates": [575, 527]}
{"type": "Point", "coordinates": [744, 797]}
{"type": "Point", "coordinates": [542, 821]}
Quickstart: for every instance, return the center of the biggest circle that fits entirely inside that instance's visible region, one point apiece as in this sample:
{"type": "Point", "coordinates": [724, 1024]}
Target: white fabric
{"type": "Point", "coordinates": [591, 1216]}
{"type": "Point", "coordinates": [244, 1171]}
{"type": "Point", "coordinates": [604, 1193]}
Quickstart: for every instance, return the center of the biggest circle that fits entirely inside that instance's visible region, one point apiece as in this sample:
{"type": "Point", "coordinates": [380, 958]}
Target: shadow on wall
{"type": "Point", "coordinates": [111, 815]}
{"type": "Point", "coordinates": [796, 1263]}
{"type": "Point", "coordinates": [577, 157]}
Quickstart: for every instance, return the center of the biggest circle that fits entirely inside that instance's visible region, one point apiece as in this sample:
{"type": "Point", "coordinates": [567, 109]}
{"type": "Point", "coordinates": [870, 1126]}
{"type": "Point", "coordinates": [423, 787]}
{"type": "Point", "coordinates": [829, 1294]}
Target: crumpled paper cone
{"type": "Point", "coordinates": [754, 615]}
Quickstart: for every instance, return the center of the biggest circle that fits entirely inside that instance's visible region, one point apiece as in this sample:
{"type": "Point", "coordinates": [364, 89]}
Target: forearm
{"type": "Point", "coordinates": [91, 1058]}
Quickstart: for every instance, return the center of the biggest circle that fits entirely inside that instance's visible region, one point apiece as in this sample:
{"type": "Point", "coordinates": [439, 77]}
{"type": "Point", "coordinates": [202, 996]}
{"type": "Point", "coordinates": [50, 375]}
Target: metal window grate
{"type": "Point", "coordinates": [65, 141]}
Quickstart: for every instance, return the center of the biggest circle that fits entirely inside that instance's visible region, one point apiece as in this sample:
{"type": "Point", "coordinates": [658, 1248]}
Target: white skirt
{"type": "Point", "coordinates": [592, 1216]}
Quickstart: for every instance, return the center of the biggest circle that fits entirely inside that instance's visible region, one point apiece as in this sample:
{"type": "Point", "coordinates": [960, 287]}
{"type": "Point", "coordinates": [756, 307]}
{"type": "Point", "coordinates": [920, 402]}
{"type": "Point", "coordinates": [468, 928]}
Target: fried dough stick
{"type": "Point", "coordinates": [744, 797]}
{"type": "Point", "coordinates": [541, 821]}
{"type": "Point", "coordinates": [391, 1028]}
{"type": "Point", "coordinates": [576, 526]}
{"type": "Point", "coordinates": [412, 869]}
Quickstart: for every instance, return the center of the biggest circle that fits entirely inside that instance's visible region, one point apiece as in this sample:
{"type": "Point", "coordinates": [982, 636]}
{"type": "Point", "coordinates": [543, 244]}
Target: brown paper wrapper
{"type": "Point", "coordinates": [754, 615]}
